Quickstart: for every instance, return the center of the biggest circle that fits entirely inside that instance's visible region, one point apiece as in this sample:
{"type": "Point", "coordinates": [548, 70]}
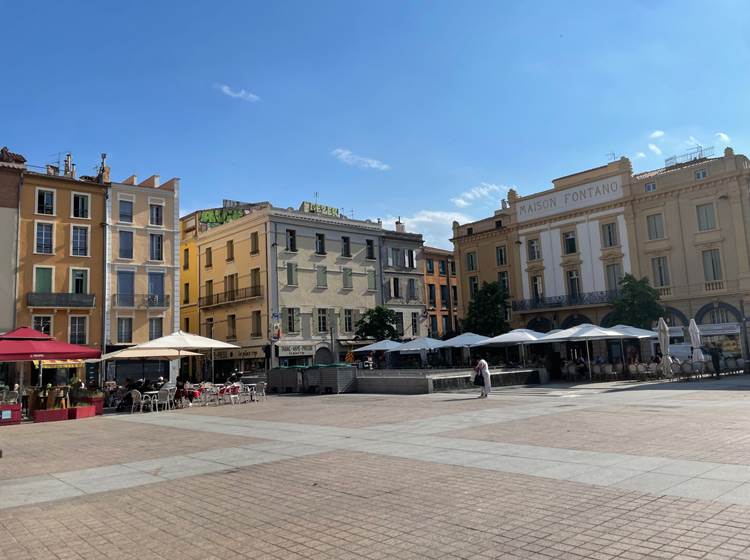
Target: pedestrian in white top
{"type": "Point", "coordinates": [484, 370]}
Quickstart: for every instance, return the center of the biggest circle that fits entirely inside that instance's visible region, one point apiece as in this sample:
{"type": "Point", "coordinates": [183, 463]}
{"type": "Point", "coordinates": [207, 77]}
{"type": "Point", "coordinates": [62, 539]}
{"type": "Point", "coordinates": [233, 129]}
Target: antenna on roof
{"type": "Point", "coordinates": [611, 156]}
{"type": "Point", "coordinates": [315, 194]}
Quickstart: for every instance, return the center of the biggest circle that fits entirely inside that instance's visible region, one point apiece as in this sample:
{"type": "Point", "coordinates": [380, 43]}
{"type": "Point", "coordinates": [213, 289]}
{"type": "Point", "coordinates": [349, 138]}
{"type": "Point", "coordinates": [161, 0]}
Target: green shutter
{"type": "Point", "coordinates": [43, 282]}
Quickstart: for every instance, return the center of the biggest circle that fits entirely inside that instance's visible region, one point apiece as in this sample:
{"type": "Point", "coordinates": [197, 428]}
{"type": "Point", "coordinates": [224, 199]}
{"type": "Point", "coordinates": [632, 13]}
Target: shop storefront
{"type": "Point", "coordinates": [294, 353]}
{"type": "Point", "coordinates": [726, 336]}
{"type": "Point", "coordinates": [248, 359]}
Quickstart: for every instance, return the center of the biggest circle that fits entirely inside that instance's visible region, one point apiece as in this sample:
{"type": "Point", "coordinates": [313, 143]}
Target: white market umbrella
{"type": "Point", "coordinates": [662, 331]}
{"type": "Point", "coordinates": [133, 353]}
{"type": "Point", "coordinates": [634, 332]}
{"type": "Point", "coordinates": [520, 337]}
{"type": "Point", "coordinates": [424, 343]}
{"type": "Point", "coordinates": [383, 345]}
{"type": "Point", "coordinates": [464, 340]}
{"type": "Point", "coordinates": [695, 341]}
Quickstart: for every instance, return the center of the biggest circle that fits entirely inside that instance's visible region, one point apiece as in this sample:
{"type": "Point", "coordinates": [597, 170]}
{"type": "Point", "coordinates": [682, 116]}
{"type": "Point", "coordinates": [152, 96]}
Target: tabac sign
{"type": "Point", "coordinates": [567, 200]}
{"type": "Point", "coordinates": [315, 208]}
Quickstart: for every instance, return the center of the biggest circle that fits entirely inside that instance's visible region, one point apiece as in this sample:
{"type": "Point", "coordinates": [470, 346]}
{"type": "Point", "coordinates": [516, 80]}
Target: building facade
{"type": "Point", "coordinates": [402, 268]}
{"type": "Point", "coordinates": [440, 292]}
{"type": "Point", "coordinates": [12, 167]}
{"type": "Point", "coordinates": [563, 251]}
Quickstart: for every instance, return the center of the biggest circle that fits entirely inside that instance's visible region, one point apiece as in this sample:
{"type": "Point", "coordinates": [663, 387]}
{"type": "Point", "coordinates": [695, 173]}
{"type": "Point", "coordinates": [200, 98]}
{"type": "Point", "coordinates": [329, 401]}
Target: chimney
{"type": "Point", "coordinates": [103, 176]}
{"type": "Point", "coordinates": [67, 165]}
{"type": "Point", "coordinates": [52, 169]}
{"type": "Point", "coordinates": [72, 170]}
{"type": "Point", "coordinates": [152, 181]}
{"type": "Point", "coordinates": [132, 180]}
{"type": "Point", "coordinates": [400, 227]}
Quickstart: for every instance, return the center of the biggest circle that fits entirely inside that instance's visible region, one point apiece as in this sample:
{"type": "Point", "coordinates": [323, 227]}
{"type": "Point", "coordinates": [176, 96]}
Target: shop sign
{"type": "Point", "coordinates": [239, 354]}
{"type": "Point", "coordinates": [315, 208]}
{"type": "Point", "coordinates": [719, 328]}
{"type": "Point", "coordinates": [567, 200]}
{"type": "Point", "coordinates": [287, 349]}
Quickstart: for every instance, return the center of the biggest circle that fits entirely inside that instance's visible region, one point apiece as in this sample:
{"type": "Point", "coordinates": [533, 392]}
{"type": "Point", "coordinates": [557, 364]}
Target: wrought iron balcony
{"type": "Point", "coordinates": [230, 296]}
{"type": "Point", "coordinates": [40, 299]}
{"type": "Point", "coordinates": [588, 298]}
{"type": "Point", "coordinates": [140, 301]}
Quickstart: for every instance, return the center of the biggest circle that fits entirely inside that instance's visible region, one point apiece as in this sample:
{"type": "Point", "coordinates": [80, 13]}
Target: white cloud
{"type": "Point", "coordinates": [436, 226]}
{"type": "Point", "coordinates": [639, 155]}
{"type": "Point", "coordinates": [482, 191]}
{"type": "Point", "coordinates": [656, 134]}
{"type": "Point", "coordinates": [723, 137]}
{"type": "Point", "coordinates": [342, 154]}
{"type": "Point", "coordinates": [238, 94]}
{"type": "Point", "coordinates": [654, 148]}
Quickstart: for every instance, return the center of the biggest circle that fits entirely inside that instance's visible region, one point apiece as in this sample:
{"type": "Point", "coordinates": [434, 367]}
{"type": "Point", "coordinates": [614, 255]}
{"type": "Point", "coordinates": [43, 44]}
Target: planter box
{"type": "Point", "coordinates": [77, 412]}
{"type": "Point", "coordinates": [10, 414]}
{"type": "Point", "coordinates": [52, 415]}
{"type": "Point", "coordinates": [98, 402]}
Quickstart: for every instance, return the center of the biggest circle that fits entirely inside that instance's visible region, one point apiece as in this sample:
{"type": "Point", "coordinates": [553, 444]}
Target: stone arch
{"type": "Point", "coordinates": [706, 309]}
{"type": "Point", "coordinates": [539, 324]}
{"type": "Point", "coordinates": [678, 315]}
{"type": "Point", "coordinates": [608, 320]}
{"type": "Point", "coordinates": [574, 320]}
{"type": "Point", "coordinates": [323, 356]}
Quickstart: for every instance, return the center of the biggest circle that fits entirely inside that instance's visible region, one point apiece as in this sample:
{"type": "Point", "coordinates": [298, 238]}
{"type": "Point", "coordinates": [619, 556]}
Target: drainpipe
{"type": "Point", "coordinates": [18, 250]}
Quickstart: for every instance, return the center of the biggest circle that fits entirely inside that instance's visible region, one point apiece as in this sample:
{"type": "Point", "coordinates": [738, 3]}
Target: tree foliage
{"type": "Point", "coordinates": [637, 304]}
{"type": "Point", "coordinates": [378, 323]}
{"type": "Point", "coordinates": [486, 314]}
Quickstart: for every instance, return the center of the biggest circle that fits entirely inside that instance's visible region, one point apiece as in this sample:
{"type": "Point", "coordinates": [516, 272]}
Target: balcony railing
{"type": "Point", "coordinates": [230, 296]}
{"type": "Point", "coordinates": [39, 299]}
{"type": "Point", "coordinates": [140, 301]}
{"type": "Point", "coordinates": [664, 291]}
{"type": "Point", "coordinates": [714, 286]}
{"type": "Point", "coordinates": [588, 298]}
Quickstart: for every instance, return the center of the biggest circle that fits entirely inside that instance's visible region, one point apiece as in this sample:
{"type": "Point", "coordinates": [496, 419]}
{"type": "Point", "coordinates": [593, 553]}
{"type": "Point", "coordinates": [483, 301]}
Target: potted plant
{"type": "Point", "coordinates": [88, 396]}
{"type": "Point", "coordinates": [81, 411]}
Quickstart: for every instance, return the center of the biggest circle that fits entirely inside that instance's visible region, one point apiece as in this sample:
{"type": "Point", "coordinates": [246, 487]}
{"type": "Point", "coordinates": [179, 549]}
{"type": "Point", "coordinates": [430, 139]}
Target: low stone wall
{"type": "Point", "coordinates": [416, 382]}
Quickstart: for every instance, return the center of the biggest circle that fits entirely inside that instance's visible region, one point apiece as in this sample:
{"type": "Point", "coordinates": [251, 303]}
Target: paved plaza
{"type": "Point", "coordinates": [602, 471]}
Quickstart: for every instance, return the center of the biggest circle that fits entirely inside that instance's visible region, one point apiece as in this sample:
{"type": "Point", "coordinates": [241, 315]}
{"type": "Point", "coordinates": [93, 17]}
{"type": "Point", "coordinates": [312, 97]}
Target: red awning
{"type": "Point", "coordinates": [26, 344]}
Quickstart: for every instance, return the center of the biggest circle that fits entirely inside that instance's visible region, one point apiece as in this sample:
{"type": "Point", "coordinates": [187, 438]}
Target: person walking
{"type": "Point", "coordinates": [484, 370]}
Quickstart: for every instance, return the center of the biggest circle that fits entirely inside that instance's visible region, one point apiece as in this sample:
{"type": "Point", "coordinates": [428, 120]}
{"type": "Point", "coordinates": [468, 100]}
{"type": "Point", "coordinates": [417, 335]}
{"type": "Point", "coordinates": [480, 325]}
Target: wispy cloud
{"type": "Point", "coordinates": [639, 155]}
{"type": "Point", "coordinates": [655, 149]}
{"type": "Point", "coordinates": [723, 137]}
{"type": "Point", "coordinates": [656, 134]}
{"type": "Point", "coordinates": [436, 226]}
{"type": "Point", "coordinates": [692, 141]}
{"type": "Point", "coordinates": [480, 192]}
{"type": "Point", "coordinates": [342, 154]}
{"type": "Point", "coordinates": [238, 94]}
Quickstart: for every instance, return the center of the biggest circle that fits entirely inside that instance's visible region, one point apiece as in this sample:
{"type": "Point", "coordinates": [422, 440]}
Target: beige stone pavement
{"type": "Point", "coordinates": [605, 471]}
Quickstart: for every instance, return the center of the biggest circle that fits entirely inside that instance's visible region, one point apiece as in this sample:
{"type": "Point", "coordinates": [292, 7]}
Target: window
{"type": "Point", "coordinates": [501, 255]}
{"type": "Point", "coordinates": [79, 281]}
{"type": "Point", "coordinates": [574, 285]}
{"type": "Point", "coordinates": [210, 327]}
{"type": "Point", "coordinates": [649, 187]}
{"type": "Point", "coordinates": [291, 240]}
{"type": "Point", "coordinates": [444, 295]}
{"type": "Point", "coordinates": [348, 320]}
{"type": "Point", "coordinates": [186, 293]}
{"type": "Point", "coordinates": [370, 252]}
{"type": "Point", "coordinates": [209, 257]}
{"type": "Point", "coordinates": [718, 315]}
{"type": "Point", "coordinates": [231, 327]}
{"type": "Point", "coordinates": [231, 282]}
{"type": "Point", "coordinates": [471, 261]}
{"type": "Point", "coordinates": [396, 291]}
{"type": "Point", "coordinates": [124, 330]}
{"type": "Point", "coordinates": [537, 287]}
{"type": "Point", "coordinates": [701, 174]}
{"type": "Point", "coordinates": [431, 294]}
{"type": "Point", "coordinates": [411, 258]}
{"type": "Point", "coordinates": [473, 286]}
{"type": "Point", "coordinates": [209, 289]}
{"type": "Point", "coordinates": [454, 293]}
{"type": "Point", "coordinates": [77, 331]}
{"type": "Point", "coordinates": [712, 265]}
{"type": "Point", "coordinates": [43, 279]}
{"type": "Point", "coordinates": [255, 329]}
{"type": "Point", "coordinates": [411, 289]}
{"type": "Point", "coordinates": [346, 247]}
{"type": "Point", "coordinates": [322, 320]}
{"type": "Point", "coordinates": [609, 235]}
{"type": "Point", "coordinates": [156, 247]}
{"type": "Point", "coordinates": [125, 288]}
{"type": "Point", "coordinates": [660, 271]}
{"type": "Point", "coordinates": [569, 242]}
{"type": "Point", "coordinates": [371, 281]}
{"type": "Point", "coordinates": [79, 241]}
{"type": "Point", "coordinates": [187, 324]}
{"type": "Point", "coordinates": [415, 324]}
{"type": "Point", "coordinates": [156, 289]}
{"type": "Point", "coordinates": [81, 206]}
{"type": "Point", "coordinates": [254, 244]}
{"type": "Point", "coordinates": [433, 325]}
{"type": "Point", "coordinates": [534, 251]}
{"type": "Point", "coordinates": [453, 268]}
{"type": "Point", "coordinates": [347, 278]}
{"type": "Point", "coordinates": [291, 274]}
{"type": "Point", "coordinates": [320, 244]}
{"type": "Point", "coordinates": [655, 225]}
{"type": "Point", "coordinates": [155, 328]}
{"type": "Point", "coordinates": [321, 276]}
{"type": "Point", "coordinates": [185, 259]}
{"type": "Point", "coordinates": [126, 245]}
{"type": "Point", "coordinates": [43, 323]}
{"type": "Point", "coordinates": [614, 275]}
{"type": "Point", "coordinates": [126, 211]}
{"type": "Point", "coordinates": [394, 257]}
{"type": "Point", "coordinates": [156, 214]}
{"type": "Point", "coordinates": [502, 279]}
{"type": "Point", "coordinates": [292, 320]}
{"type": "Point", "coordinates": [43, 242]}
{"type": "Point", "coordinates": [498, 224]}
{"type": "Point", "coordinates": [400, 323]}
{"type": "Point", "coordinates": [442, 267]}
{"type": "Point", "coordinates": [706, 217]}
{"type": "Point", "coordinates": [230, 250]}
{"type": "Point", "coordinates": [45, 202]}
{"type": "Point", "coordinates": [469, 231]}
{"type": "Point", "coordinates": [506, 313]}
{"type": "Point", "coordinates": [255, 281]}
{"type": "Point", "coordinates": [430, 266]}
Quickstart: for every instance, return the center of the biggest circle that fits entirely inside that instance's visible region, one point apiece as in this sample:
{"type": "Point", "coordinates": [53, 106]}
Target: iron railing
{"type": "Point", "coordinates": [588, 298]}
{"type": "Point", "coordinates": [230, 296]}
{"type": "Point", "coordinates": [40, 299]}
{"type": "Point", "coordinates": [140, 301]}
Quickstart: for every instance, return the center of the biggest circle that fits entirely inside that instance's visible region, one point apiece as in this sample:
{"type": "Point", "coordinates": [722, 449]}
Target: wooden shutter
{"type": "Point", "coordinates": [314, 321]}
{"type": "Point", "coordinates": [284, 321]}
{"type": "Point", "coordinates": [297, 319]}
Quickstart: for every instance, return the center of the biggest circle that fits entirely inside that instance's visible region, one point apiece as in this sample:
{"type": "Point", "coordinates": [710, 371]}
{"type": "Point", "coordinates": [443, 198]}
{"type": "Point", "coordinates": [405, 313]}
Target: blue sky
{"type": "Point", "coordinates": [427, 110]}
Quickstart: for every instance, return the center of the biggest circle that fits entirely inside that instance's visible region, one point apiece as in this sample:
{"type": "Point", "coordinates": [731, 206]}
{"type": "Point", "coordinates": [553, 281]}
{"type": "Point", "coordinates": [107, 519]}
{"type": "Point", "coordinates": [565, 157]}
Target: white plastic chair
{"type": "Point", "coordinates": [260, 391]}
{"type": "Point", "coordinates": [162, 399]}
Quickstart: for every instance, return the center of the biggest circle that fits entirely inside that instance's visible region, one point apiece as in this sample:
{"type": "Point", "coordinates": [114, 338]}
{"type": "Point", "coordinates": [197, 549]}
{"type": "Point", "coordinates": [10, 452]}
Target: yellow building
{"type": "Point", "coordinates": [441, 292]}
